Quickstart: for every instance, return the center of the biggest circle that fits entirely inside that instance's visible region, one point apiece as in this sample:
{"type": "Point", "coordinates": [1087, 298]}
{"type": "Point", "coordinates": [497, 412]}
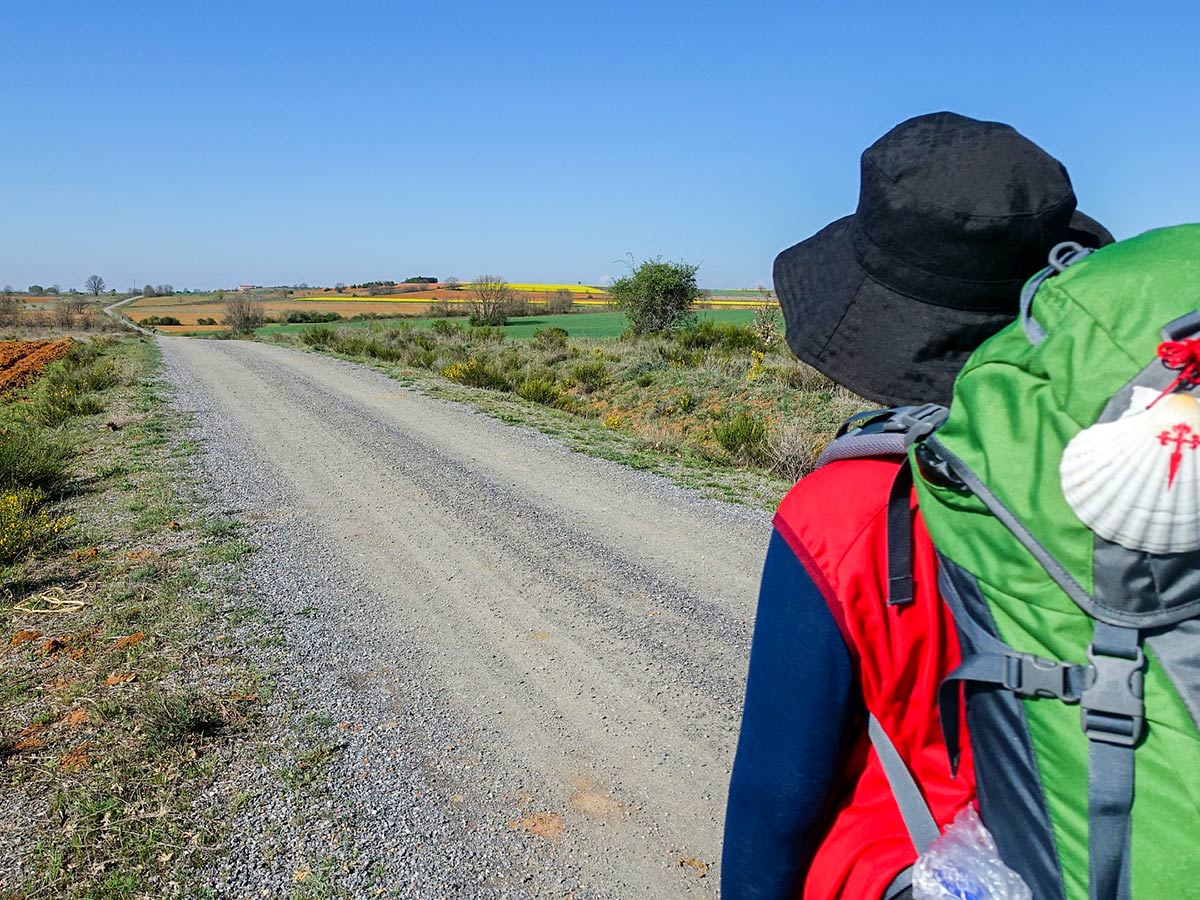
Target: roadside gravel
{"type": "Point", "coordinates": [498, 668]}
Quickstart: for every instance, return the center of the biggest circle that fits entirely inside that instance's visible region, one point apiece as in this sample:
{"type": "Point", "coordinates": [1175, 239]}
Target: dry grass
{"type": "Point", "coordinates": [714, 391]}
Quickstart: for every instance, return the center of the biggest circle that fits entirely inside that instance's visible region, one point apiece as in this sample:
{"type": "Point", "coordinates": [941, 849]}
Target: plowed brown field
{"type": "Point", "coordinates": [22, 361]}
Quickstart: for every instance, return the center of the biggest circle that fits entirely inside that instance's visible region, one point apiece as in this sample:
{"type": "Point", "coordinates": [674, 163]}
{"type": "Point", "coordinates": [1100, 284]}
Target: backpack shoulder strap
{"type": "Point", "coordinates": [883, 432]}
{"type": "Point", "coordinates": [890, 432]}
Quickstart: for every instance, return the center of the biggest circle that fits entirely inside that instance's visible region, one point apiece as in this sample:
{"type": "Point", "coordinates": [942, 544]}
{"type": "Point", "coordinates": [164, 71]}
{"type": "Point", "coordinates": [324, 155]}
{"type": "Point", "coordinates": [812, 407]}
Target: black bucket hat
{"type": "Point", "coordinates": [954, 215]}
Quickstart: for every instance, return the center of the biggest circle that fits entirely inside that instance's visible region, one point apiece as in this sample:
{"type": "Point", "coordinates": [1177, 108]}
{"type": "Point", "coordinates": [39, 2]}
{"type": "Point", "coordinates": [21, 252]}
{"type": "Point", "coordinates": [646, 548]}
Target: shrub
{"type": "Point", "coordinates": [560, 303]}
{"type": "Point", "coordinates": [724, 335]}
{"type": "Point", "coordinates": [656, 295]}
{"type": "Point", "coordinates": [384, 350]}
{"type": "Point", "coordinates": [551, 338]}
{"type": "Point", "coordinates": [486, 333]}
{"type": "Point", "coordinates": [348, 343]}
{"type": "Point", "coordinates": [743, 436]}
{"type": "Point", "coordinates": [476, 372]}
{"type": "Point", "coordinates": [491, 300]}
{"type": "Point", "coordinates": [421, 359]}
{"type": "Point", "coordinates": [243, 313]}
{"type": "Point", "coordinates": [766, 322]}
{"type": "Point", "coordinates": [679, 356]}
{"type": "Point", "coordinates": [591, 375]}
{"type": "Point", "coordinates": [206, 320]}
{"type": "Point", "coordinates": [540, 390]}
{"type": "Point", "coordinates": [23, 525]}
{"type": "Point", "coordinates": [308, 316]}
{"type": "Point", "coordinates": [795, 447]}
{"type": "Point", "coordinates": [444, 309]}
{"type": "Point", "coordinates": [31, 457]}
{"type": "Point", "coordinates": [444, 327]}
{"type": "Point", "coordinates": [159, 320]}
{"type": "Point", "coordinates": [424, 340]}
{"type": "Point", "coordinates": [99, 376]}
{"type": "Point", "coordinates": [57, 404]}
{"type": "Point", "coordinates": [320, 337]}
{"type": "Point", "coordinates": [518, 307]}
{"type": "Point", "coordinates": [642, 372]}
{"type": "Point", "coordinates": [69, 391]}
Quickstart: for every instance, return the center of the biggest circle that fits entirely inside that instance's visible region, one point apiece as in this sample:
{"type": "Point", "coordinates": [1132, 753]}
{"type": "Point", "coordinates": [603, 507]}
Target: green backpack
{"type": "Point", "coordinates": [1062, 496]}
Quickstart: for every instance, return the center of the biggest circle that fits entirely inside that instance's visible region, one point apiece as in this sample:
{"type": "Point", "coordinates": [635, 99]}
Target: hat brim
{"type": "Point", "coordinates": [1088, 231]}
{"type": "Point", "coordinates": [879, 343]}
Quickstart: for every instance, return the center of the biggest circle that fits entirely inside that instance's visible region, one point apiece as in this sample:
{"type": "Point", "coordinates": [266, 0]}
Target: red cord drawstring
{"type": "Point", "coordinates": [1183, 355]}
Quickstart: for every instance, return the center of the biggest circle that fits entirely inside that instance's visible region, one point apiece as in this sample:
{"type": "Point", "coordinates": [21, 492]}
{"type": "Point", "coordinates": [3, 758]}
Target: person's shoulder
{"type": "Point", "coordinates": [829, 510]}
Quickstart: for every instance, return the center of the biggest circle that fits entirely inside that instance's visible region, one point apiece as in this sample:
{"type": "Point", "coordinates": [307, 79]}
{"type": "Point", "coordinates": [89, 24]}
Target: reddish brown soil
{"type": "Point", "coordinates": [22, 361]}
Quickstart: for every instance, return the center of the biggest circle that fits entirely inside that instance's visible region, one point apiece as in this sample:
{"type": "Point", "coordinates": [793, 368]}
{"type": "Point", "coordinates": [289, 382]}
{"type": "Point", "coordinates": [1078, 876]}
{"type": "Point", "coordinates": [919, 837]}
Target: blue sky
{"type": "Point", "coordinates": [207, 144]}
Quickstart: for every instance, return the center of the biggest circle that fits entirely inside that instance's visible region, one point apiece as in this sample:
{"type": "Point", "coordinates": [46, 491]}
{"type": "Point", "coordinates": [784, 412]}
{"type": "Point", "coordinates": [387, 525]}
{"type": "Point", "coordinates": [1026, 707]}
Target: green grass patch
{"type": "Point", "coordinates": [590, 325]}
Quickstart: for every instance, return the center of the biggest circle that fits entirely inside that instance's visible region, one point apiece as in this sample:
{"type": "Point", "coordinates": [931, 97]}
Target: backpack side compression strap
{"type": "Point", "coordinates": [919, 821]}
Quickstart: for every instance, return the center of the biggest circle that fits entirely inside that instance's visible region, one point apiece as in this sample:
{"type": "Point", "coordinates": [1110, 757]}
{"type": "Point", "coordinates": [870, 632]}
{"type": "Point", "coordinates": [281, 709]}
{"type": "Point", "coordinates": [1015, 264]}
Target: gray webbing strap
{"type": "Point", "coordinates": [1024, 674]}
{"type": "Point", "coordinates": [900, 884]}
{"type": "Point", "coordinates": [1061, 256]}
{"type": "Point", "coordinates": [1110, 797]}
{"type": "Point", "coordinates": [1015, 526]}
{"type": "Point", "coordinates": [922, 829]}
{"type": "Point", "coordinates": [1113, 720]}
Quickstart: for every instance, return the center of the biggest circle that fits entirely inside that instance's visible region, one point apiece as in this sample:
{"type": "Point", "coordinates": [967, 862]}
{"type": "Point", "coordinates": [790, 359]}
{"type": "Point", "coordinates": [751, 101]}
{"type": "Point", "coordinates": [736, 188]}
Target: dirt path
{"type": "Point", "coordinates": [591, 623]}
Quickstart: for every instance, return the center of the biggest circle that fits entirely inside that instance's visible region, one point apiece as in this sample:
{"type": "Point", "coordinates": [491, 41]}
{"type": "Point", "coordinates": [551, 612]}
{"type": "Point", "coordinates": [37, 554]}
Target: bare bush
{"type": "Point", "coordinates": [491, 300]}
{"type": "Point", "coordinates": [444, 309]}
{"type": "Point", "coordinates": [243, 313]}
{"type": "Point", "coordinates": [560, 303]}
{"type": "Point", "coordinates": [64, 315]}
{"type": "Point", "coordinates": [10, 306]}
{"type": "Point", "coordinates": [77, 303]}
{"type": "Point", "coordinates": [795, 445]}
{"type": "Point", "coordinates": [518, 306]}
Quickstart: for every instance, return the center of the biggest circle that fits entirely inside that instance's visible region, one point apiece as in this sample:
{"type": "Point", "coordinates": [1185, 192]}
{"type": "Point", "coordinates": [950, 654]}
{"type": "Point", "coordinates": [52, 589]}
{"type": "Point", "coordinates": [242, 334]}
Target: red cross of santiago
{"type": "Point", "coordinates": [1181, 436]}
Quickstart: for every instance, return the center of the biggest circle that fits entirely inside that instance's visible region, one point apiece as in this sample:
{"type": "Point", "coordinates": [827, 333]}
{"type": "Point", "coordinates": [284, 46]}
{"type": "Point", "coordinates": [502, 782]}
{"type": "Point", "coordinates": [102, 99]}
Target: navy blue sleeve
{"type": "Point", "coordinates": [798, 712]}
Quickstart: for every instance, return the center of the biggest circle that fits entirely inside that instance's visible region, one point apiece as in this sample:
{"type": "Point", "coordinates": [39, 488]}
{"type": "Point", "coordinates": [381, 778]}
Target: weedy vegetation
{"type": "Point", "coordinates": [693, 401]}
{"type": "Point", "coordinates": [108, 725]}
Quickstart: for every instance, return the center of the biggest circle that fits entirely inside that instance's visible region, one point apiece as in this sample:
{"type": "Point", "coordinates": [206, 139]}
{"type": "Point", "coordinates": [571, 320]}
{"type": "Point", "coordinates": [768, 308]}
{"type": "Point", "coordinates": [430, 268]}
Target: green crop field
{"type": "Point", "coordinates": [580, 325]}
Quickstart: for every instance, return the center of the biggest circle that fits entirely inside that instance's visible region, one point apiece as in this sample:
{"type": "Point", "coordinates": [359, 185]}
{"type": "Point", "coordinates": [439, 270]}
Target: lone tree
{"type": "Point", "coordinates": [491, 299]}
{"type": "Point", "coordinates": [94, 285]}
{"type": "Point", "coordinates": [243, 313]}
{"type": "Point", "coordinates": [657, 295]}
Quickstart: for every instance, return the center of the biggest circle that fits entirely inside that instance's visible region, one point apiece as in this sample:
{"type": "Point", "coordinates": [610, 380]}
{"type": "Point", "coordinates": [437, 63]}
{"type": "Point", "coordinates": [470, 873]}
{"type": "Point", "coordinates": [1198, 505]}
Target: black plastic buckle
{"type": "Point", "coordinates": [1113, 708]}
{"type": "Point", "coordinates": [1033, 676]}
{"type": "Point", "coordinates": [918, 422]}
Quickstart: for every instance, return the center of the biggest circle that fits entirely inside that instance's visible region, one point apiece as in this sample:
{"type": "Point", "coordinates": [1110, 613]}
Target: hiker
{"type": "Point", "coordinates": [954, 215]}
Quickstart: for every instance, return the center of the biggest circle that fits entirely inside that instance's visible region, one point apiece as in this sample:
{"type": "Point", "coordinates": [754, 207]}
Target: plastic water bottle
{"type": "Point", "coordinates": [964, 864]}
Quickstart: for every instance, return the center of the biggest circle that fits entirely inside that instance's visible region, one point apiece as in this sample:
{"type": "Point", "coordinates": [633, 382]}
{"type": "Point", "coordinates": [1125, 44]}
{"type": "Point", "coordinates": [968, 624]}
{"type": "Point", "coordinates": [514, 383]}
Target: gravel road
{"type": "Point", "coordinates": [514, 670]}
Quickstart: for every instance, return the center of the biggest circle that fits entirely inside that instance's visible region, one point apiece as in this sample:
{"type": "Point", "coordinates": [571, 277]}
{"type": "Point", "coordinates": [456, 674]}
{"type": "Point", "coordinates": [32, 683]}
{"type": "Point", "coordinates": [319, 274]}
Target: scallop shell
{"type": "Point", "coordinates": [1136, 481]}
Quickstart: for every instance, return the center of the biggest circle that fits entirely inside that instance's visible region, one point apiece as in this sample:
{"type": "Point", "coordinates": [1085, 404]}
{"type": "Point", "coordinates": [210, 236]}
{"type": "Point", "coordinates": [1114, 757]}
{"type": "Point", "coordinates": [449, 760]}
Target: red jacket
{"type": "Point", "coordinates": [835, 521]}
